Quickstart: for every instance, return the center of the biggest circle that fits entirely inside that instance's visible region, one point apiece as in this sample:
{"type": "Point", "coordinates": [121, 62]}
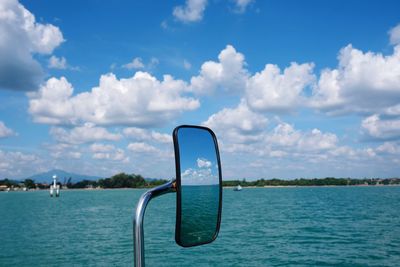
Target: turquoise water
{"type": "Point", "coordinates": [330, 226]}
{"type": "Point", "coordinates": [199, 220]}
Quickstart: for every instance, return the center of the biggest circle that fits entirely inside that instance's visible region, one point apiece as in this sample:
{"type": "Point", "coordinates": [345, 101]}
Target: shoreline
{"type": "Point", "coordinates": [297, 186]}
{"type": "Point", "coordinates": [227, 187]}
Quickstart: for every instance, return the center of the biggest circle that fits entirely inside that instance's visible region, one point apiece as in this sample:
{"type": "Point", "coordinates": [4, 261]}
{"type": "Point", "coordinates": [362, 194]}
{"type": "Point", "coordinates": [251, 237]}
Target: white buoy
{"type": "Point", "coordinates": [54, 187]}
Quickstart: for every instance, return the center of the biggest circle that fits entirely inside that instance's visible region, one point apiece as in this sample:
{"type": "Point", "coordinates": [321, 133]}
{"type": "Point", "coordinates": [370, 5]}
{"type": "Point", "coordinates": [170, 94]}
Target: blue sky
{"type": "Point", "coordinates": [292, 89]}
{"type": "Point", "coordinates": [198, 158]}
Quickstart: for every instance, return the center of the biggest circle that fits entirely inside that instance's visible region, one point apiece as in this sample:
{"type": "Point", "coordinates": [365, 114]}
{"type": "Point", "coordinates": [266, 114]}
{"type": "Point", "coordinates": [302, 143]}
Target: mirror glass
{"type": "Point", "coordinates": [199, 191]}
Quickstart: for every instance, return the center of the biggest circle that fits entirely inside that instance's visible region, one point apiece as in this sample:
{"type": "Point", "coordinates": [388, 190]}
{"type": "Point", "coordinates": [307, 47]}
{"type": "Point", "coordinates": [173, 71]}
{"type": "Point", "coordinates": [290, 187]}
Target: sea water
{"type": "Point", "coordinates": [310, 226]}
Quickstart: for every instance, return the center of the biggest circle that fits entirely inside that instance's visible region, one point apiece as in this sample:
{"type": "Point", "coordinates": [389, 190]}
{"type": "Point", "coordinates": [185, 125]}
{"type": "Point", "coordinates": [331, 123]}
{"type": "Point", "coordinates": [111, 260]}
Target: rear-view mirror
{"type": "Point", "coordinates": [198, 185]}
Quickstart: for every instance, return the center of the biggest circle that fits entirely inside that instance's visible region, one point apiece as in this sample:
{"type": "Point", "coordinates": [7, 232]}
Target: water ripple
{"type": "Point", "coordinates": [330, 226]}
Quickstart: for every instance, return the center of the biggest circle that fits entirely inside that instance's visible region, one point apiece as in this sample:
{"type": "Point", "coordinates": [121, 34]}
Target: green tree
{"type": "Point", "coordinates": [29, 183]}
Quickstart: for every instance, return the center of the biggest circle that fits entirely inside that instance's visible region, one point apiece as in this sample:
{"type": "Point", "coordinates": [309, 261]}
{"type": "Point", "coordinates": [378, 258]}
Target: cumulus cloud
{"type": "Point", "coordinates": [137, 133]}
{"type": "Point", "coordinates": [146, 135]}
{"type": "Point", "coordinates": [51, 103]}
{"type": "Point", "coordinates": [62, 155]}
{"type": "Point", "coordinates": [203, 163]}
{"type": "Point", "coordinates": [115, 154]}
{"type": "Point", "coordinates": [272, 90]}
{"type": "Point", "coordinates": [75, 155]}
{"type": "Point", "coordinates": [192, 11]}
{"type": "Point", "coordinates": [142, 147]}
{"type": "Point", "coordinates": [228, 74]}
{"type": "Point", "coordinates": [241, 5]}
{"type": "Point", "coordinates": [161, 137]}
{"type": "Point", "coordinates": [285, 141]}
{"type": "Point", "coordinates": [238, 125]}
{"type": "Point", "coordinates": [394, 35]}
{"type": "Point", "coordinates": [241, 130]}
{"type": "Point", "coordinates": [66, 155]}
{"type": "Point", "coordinates": [21, 38]}
{"type": "Point", "coordinates": [362, 83]}
{"type": "Point", "coordinates": [15, 163]}
{"type": "Point", "coordinates": [141, 100]}
{"type": "Point", "coordinates": [389, 148]}
{"type": "Point", "coordinates": [379, 128]}
{"type": "Point", "coordinates": [136, 63]}
{"type": "Point", "coordinates": [83, 134]}
{"type": "Point", "coordinates": [5, 131]}
{"type": "Point", "coordinates": [285, 137]}
{"type": "Point", "coordinates": [392, 111]}
{"type": "Point", "coordinates": [64, 151]}
{"type": "Point", "coordinates": [153, 63]}
{"type": "Point", "coordinates": [57, 63]}
{"type": "Point", "coordinates": [201, 176]}
{"type": "Point", "coordinates": [97, 147]}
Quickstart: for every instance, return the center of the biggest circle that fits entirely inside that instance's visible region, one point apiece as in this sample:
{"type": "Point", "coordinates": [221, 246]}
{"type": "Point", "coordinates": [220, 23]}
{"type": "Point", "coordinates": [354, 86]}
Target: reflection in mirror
{"type": "Point", "coordinates": [200, 186]}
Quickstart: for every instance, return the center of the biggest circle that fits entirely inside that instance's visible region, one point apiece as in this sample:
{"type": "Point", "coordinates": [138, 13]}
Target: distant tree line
{"type": "Point", "coordinates": [313, 182]}
{"type": "Point", "coordinates": [120, 180]}
{"type": "Point", "coordinates": [28, 183]}
{"type": "Point", "coordinates": [123, 180]}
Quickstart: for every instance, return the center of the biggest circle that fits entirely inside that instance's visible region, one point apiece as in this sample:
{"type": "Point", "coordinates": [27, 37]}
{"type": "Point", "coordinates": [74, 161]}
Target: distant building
{"type": "Point", "coordinates": [3, 187]}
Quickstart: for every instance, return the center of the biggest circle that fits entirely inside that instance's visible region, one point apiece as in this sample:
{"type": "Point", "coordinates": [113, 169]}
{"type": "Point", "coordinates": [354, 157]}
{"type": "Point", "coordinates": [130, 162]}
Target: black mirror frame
{"type": "Point", "coordinates": [178, 184]}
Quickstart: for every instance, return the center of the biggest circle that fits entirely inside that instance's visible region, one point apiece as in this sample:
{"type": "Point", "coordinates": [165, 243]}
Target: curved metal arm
{"type": "Point", "coordinates": [138, 237]}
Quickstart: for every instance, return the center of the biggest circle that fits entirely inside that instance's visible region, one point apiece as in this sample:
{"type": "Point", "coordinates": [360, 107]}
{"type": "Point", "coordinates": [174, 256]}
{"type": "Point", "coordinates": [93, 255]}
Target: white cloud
{"type": "Point", "coordinates": [202, 176]}
{"type": "Point", "coordinates": [316, 140]}
{"type": "Point", "coordinates": [161, 137]}
{"type": "Point", "coordinates": [272, 90]}
{"type": "Point", "coordinates": [389, 147]}
{"type": "Point", "coordinates": [192, 11]}
{"type": "Point", "coordinates": [64, 151]}
{"type": "Point", "coordinates": [66, 155]}
{"type": "Point", "coordinates": [97, 147]}
{"type": "Point", "coordinates": [15, 163]}
{"type": "Point", "coordinates": [108, 152]}
{"type": "Point", "coordinates": [21, 37]}
{"type": "Point", "coordinates": [141, 100]}
{"type": "Point", "coordinates": [5, 131]}
{"type": "Point", "coordinates": [285, 137]}
{"type": "Point", "coordinates": [57, 63]}
{"type": "Point", "coordinates": [142, 147]}
{"type": "Point", "coordinates": [394, 35]}
{"type": "Point", "coordinates": [75, 155]}
{"type": "Point", "coordinates": [242, 131]}
{"type": "Point", "coordinates": [362, 83]}
{"type": "Point", "coordinates": [241, 5]}
{"type": "Point", "coordinates": [228, 74]}
{"type": "Point", "coordinates": [146, 135]}
{"type": "Point", "coordinates": [164, 24]}
{"type": "Point", "coordinates": [137, 133]}
{"type": "Point", "coordinates": [238, 125]}
{"type": "Point", "coordinates": [392, 111]}
{"type": "Point", "coordinates": [136, 63]}
{"type": "Point", "coordinates": [83, 134]}
{"type": "Point", "coordinates": [114, 155]}
{"type": "Point", "coordinates": [153, 63]}
{"type": "Point", "coordinates": [380, 128]}
{"type": "Point", "coordinates": [51, 103]}
{"type": "Point", "coordinates": [203, 163]}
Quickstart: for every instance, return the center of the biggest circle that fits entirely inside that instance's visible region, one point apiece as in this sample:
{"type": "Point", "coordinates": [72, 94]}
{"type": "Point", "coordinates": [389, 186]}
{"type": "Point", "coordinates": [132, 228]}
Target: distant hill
{"type": "Point", "coordinates": [47, 177]}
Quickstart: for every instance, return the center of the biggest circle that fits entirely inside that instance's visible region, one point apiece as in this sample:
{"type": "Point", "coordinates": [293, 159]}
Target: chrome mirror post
{"type": "Point", "coordinates": [138, 236]}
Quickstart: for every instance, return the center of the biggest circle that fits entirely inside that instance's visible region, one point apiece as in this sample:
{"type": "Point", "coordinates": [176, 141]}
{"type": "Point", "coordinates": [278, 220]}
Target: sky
{"type": "Point", "coordinates": [197, 157]}
{"type": "Point", "coordinates": [291, 88]}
